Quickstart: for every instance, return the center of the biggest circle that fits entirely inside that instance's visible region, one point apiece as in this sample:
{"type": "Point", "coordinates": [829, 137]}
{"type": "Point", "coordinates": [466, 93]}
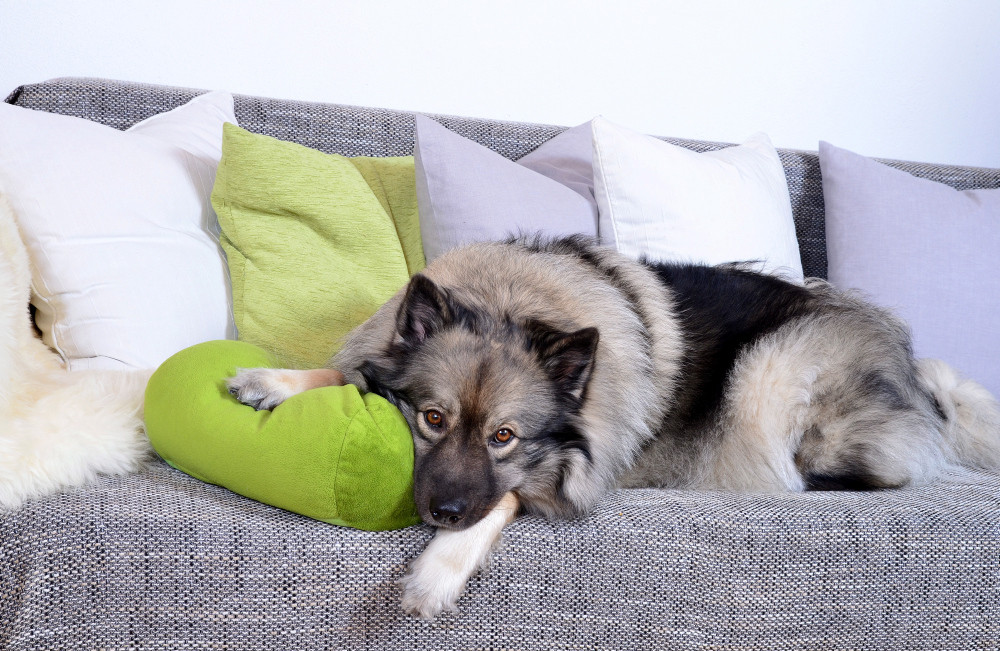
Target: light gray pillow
{"type": "Point", "coordinates": [925, 250]}
{"type": "Point", "coordinates": [469, 193]}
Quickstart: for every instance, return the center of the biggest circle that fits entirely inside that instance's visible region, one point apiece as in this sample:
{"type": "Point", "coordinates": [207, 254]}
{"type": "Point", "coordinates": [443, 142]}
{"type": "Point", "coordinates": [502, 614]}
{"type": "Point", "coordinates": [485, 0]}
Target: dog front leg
{"type": "Point", "coordinates": [266, 388]}
{"type": "Point", "coordinates": [438, 576]}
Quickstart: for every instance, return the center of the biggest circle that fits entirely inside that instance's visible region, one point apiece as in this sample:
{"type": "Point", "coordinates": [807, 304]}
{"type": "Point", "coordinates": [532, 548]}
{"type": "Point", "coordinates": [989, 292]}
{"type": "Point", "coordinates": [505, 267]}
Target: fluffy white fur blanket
{"type": "Point", "coordinates": [58, 429]}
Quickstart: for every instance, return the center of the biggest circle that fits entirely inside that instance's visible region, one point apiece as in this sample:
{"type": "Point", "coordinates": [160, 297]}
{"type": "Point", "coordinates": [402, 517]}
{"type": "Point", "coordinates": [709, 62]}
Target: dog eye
{"type": "Point", "coordinates": [434, 418]}
{"type": "Point", "coordinates": [502, 436]}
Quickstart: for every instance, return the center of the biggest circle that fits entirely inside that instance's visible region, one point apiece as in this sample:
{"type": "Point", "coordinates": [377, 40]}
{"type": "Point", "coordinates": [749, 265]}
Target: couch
{"type": "Point", "coordinates": [159, 560]}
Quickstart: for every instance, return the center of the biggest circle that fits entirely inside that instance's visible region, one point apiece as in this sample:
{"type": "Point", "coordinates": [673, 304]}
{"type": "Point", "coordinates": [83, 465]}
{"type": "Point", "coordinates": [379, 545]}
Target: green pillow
{"type": "Point", "coordinates": [315, 242]}
{"type": "Point", "coordinates": [331, 454]}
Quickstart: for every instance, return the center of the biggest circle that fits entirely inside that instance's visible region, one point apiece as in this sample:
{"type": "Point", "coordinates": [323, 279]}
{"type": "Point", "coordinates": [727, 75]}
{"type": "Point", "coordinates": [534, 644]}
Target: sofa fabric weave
{"type": "Point", "coordinates": [161, 561]}
{"type": "Point", "coordinates": [157, 560]}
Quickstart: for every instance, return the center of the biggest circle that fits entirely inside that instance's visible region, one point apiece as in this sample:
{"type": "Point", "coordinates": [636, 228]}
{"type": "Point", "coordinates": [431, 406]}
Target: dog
{"type": "Point", "coordinates": [538, 374]}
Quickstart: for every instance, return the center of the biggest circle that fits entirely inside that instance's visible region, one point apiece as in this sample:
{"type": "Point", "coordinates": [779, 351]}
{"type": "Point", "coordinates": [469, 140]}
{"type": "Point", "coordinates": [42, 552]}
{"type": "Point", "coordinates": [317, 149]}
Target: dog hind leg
{"type": "Point", "coordinates": [767, 401]}
{"type": "Point", "coordinates": [856, 416]}
{"type": "Point", "coordinates": [828, 402]}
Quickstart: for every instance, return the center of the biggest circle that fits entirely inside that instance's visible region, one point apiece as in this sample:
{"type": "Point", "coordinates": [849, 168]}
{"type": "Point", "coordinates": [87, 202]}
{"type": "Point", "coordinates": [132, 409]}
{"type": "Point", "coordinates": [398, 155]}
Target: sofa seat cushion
{"type": "Point", "coordinates": [159, 558]}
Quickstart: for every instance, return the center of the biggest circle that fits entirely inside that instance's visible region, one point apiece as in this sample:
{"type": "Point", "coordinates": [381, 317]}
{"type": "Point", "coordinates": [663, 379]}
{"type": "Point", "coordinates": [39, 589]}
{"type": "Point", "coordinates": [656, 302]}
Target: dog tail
{"type": "Point", "coordinates": [972, 415]}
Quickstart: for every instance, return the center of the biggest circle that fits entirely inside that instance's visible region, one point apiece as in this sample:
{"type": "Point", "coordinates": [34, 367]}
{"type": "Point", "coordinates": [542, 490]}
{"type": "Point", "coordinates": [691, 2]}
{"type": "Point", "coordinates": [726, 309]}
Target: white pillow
{"type": "Point", "coordinates": [123, 242]}
{"type": "Point", "coordinates": [668, 203]}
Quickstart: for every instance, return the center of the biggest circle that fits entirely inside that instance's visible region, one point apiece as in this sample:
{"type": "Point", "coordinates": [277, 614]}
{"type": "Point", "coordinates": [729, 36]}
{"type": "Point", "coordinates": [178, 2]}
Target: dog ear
{"type": "Point", "coordinates": [377, 381]}
{"type": "Point", "coordinates": [568, 358]}
{"type": "Point", "coordinates": [425, 310]}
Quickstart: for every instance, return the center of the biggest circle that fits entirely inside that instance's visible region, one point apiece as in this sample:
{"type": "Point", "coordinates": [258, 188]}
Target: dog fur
{"type": "Point", "coordinates": [536, 375]}
{"type": "Point", "coordinates": [58, 429]}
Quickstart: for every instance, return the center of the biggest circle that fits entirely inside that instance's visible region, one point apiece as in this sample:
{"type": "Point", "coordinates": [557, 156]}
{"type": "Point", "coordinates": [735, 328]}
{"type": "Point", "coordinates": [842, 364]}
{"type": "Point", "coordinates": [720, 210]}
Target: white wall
{"type": "Point", "coordinates": [912, 79]}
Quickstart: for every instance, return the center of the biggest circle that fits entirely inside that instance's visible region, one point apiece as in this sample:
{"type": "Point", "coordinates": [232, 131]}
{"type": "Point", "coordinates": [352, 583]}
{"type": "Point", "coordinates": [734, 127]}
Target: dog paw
{"type": "Point", "coordinates": [431, 586]}
{"type": "Point", "coordinates": [260, 388]}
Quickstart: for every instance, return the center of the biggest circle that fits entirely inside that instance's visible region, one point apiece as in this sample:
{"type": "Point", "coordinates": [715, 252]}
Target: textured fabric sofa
{"type": "Point", "coordinates": [159, 560]}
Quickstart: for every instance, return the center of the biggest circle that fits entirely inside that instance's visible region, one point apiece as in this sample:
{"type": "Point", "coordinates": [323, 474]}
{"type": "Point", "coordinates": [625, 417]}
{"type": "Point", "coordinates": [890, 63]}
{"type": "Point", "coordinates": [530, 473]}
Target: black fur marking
{"type": "Point", "coordinates": [937, 408]}
{"type": "Point", "coordinates": [857, 480]}
{"type": "Point", "coordinates": [533, 459]}
{"type": "Point", "coordinates": [465, 317]}
{"type": "Point", "coordinates": [850, 473]}
{"type": "Point", "coordinates": [723, 309]}
{"type": "Point", "coordinates": [561, 434]}
{"type": "Point", "coordinates": [377, 379]}
{"type": "Point", "coordinates": [877, 385]}
{"type": "Point", "coordinates": [568, 437]}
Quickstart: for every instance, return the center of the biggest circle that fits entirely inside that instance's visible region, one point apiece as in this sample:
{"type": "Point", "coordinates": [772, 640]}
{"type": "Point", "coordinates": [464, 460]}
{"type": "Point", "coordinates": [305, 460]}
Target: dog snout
{"type": "Point", "coordinates": [450, 512]}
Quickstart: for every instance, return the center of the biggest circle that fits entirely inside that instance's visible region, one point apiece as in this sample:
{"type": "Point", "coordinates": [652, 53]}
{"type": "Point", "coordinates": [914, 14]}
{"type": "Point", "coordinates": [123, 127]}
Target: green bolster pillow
{"type": "Point", "coordinates": [331, 454]}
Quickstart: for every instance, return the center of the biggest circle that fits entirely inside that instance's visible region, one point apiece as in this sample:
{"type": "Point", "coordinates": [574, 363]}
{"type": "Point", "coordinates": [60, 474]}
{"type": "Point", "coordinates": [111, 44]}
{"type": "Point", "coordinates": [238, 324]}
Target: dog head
{"type": "Point", "coordinates": [492, 404]}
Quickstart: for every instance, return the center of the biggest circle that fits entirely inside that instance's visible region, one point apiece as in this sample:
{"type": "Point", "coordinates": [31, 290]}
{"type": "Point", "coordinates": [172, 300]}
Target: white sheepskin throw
{"type": "Point", "coordinates": [58, 429]}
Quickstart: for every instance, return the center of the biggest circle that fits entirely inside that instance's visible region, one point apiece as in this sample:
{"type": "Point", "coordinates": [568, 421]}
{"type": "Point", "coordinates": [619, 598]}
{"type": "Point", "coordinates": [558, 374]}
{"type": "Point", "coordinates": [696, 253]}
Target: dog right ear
{"type": "Point", "coordinates": [426, 309]}
{"type": "Point", "coordinates": [568, 357]}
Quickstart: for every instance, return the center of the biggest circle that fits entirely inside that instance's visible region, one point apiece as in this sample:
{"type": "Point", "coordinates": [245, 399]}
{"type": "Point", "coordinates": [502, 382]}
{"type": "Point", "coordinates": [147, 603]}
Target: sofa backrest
{"type": "Point", "coordinates": [362, 131]}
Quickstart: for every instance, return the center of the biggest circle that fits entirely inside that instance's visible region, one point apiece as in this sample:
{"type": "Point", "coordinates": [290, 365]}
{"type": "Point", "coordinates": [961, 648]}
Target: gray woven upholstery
{"type": "Point", "coordinates": [362, 131]}
{"type": "Point", "coordinates": [158, 560]}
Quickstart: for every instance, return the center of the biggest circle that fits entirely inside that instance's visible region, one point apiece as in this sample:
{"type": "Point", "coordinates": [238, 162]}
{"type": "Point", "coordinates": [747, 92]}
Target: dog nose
{"type": "Point", "coordinates": [450, 512]}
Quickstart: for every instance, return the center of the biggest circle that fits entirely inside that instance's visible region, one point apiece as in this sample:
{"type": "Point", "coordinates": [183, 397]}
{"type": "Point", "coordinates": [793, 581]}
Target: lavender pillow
{"type": "Point", "coordinates": [923, 249]}
{"type": "Point", "coordinates": [469, 193]}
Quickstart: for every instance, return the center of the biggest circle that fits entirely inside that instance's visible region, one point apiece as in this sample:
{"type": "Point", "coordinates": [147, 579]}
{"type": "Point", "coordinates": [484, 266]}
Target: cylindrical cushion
{"type": "Point", "coordinates": [331, 454]}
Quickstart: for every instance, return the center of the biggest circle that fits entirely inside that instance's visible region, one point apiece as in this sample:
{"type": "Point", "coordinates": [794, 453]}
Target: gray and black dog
{"type": "Point", "coordinates": [538, 374]}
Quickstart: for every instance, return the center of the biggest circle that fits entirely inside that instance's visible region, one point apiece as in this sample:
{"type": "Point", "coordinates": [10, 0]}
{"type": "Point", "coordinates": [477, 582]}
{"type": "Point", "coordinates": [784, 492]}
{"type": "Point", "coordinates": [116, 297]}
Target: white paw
{"type": "Point", "coordinates": [438, 577]}
{"type": "Point", "coordinates": [432, 585]}
{"type": "Point", "coordinates": [261, 388]}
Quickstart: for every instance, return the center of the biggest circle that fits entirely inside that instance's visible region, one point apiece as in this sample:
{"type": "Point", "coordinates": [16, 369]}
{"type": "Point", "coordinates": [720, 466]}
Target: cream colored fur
{"type": "Point", "coordinates": [972, 411]}
{"type": "Point", "coordinates": [58, 429]}
{"type": "Point", "coordinates": [437, 578]}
